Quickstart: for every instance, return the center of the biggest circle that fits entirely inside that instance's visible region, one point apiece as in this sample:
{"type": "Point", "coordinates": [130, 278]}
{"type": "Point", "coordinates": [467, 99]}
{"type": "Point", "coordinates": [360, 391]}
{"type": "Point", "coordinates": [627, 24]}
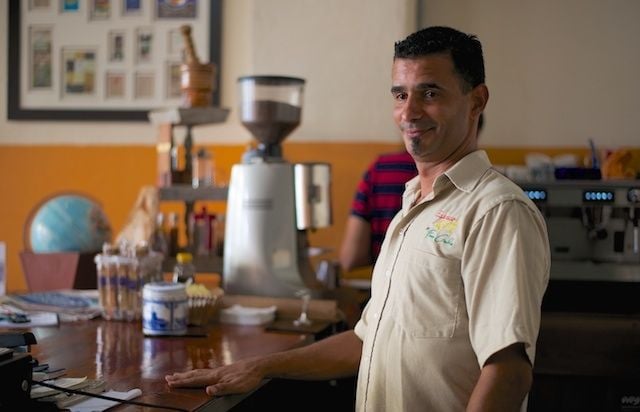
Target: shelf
{"type": "Point", "coordinates": [203, 264]}
{"type": "Point", "coordinates": [186, 193]}
{"type": "Point", "coordinates": [189, 116]}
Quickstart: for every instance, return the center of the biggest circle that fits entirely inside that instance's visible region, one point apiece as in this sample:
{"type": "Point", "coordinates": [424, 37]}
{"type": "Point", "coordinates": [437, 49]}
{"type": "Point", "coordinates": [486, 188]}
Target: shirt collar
{"type": "Point", "coordinates": [465, 175]}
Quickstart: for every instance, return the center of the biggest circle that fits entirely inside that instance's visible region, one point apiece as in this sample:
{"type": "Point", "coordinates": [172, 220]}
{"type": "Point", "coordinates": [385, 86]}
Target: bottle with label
{"type": "Point", "coordinates": [172, 237]}
{"type": "Point", "coordinates": [184, 270]}
{"type": "Point", "coordinates": [202, 230]}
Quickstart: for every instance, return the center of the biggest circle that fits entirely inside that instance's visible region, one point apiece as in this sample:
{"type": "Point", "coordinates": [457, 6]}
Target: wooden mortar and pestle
{"type": "Point", "coordinates": [196, 79]}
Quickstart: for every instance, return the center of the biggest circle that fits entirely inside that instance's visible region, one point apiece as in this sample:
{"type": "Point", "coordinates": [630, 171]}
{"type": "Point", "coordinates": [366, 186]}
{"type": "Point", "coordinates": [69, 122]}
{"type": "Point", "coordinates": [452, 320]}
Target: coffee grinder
{"type": "Point", "coordinates": [272, 203]}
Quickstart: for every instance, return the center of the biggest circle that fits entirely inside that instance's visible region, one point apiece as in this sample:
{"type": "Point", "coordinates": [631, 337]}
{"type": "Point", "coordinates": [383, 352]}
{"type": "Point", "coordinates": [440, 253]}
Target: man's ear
{"type": "Point", "coordinates": [479, 99]}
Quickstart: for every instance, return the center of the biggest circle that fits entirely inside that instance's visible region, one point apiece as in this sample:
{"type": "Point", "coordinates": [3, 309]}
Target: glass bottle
{"type": "Point", "coordinates": [172, 237]}
{"type": "Point", "coordinates": [202, 169]}
{"type": "Point", "coordinates": [184, 270]}
{"type": "Point", "coordinates": [159, 241]}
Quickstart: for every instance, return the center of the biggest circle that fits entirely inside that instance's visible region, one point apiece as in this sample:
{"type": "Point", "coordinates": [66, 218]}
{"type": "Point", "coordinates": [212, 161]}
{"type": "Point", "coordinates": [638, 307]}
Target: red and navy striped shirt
{"type": "Point", "coordinates": [379, 194]}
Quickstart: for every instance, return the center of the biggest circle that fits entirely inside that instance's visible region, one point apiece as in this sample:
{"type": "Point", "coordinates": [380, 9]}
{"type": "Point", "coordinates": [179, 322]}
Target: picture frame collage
{"type": "Point", "coordinates": [103, 59]}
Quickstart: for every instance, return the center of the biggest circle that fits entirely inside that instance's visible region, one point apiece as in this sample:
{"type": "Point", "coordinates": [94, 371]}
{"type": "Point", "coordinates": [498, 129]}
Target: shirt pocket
{"type": "Point", "coordinates": [429, 293]}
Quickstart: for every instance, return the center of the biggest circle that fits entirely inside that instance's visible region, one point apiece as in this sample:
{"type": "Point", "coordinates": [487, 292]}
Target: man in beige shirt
{"type": "Point", "coordinates": [454, 314]}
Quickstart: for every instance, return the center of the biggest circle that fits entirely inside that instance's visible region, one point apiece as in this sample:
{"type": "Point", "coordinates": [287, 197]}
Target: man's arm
{"type": "Point", "coordinates": [505, 380]}
{"type": "Point", "coordinates": [334, 357]}
{"type": "Point", "coordinates": [355, 250]}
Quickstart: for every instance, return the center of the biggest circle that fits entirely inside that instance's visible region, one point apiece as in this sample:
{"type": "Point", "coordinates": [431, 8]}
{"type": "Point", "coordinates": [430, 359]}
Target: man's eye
{"type": "Point", "coordinates": [429, 94]}
{"type": "Point", "coordinates": [400, 96]}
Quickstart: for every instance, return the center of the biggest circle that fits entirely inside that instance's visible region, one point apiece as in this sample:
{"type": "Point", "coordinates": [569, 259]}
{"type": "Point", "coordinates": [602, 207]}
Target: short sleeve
{"type": "Point", "coordinates": [361, 205]}
{"type": "Point", "coordinates": [505, 273]}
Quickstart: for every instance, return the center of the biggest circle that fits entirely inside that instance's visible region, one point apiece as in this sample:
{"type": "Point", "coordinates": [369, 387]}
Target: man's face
{"type": "Point", "coordinates": [434, 115]}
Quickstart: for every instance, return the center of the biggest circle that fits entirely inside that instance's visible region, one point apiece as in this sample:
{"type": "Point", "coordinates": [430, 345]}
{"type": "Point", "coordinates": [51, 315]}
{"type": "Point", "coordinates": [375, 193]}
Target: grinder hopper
{"type": "Point", "coordinates": [270, 108]}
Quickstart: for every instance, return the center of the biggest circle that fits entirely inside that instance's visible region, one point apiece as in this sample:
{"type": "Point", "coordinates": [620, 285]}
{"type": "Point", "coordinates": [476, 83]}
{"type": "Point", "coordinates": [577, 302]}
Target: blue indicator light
{"type": "Point", "coordinates": [598, 196]}
{"type": "Point", "coordinates": [536, 195]}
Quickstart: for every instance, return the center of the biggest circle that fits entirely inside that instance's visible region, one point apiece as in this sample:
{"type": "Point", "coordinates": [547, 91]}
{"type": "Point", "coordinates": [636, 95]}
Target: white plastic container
{"type": "Point", "coordinates": [164, 309]}
{"type": "Point", "coordinates": [243, 315]}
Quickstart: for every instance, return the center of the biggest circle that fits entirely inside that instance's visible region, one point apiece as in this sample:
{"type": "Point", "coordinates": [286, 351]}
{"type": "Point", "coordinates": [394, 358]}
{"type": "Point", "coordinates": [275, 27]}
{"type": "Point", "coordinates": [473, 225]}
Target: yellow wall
{"type": "Point", "coordinates": [114, 175]}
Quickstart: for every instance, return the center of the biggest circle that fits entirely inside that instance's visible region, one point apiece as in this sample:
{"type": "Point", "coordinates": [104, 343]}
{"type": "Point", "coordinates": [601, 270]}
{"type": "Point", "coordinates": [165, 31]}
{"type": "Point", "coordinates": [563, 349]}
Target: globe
{"type": "Point", "coordinates": [68, 223]}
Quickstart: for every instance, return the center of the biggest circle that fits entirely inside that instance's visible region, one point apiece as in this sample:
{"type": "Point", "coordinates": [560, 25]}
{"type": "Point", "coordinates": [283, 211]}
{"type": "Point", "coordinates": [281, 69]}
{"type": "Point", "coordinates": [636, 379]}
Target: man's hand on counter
{"type": "Point", "coordinates": [337, 356]}
{"type": "Point", "coordinates": [239, 377]}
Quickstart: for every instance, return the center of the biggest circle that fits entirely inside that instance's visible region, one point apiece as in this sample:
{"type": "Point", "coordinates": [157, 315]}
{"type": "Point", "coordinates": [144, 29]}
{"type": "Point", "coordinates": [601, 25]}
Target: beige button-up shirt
{"type": "Point", "coordinates": [460, 276]}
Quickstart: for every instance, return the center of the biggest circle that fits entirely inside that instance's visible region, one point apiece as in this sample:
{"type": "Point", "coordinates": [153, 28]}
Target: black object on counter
{"type": "Point", "coordinates": [577, 173]}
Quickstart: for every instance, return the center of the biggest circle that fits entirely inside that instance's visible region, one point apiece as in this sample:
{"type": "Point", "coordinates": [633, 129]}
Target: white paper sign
{"type": "Point", "coordinates": [3, 268]}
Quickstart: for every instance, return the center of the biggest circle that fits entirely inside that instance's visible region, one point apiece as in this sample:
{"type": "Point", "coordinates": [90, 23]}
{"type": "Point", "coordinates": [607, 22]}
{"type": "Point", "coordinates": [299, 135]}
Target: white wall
{"type": "Point", "coordinates": [558, 72]}
{"type": "Point", "coordinates": [343, 48]}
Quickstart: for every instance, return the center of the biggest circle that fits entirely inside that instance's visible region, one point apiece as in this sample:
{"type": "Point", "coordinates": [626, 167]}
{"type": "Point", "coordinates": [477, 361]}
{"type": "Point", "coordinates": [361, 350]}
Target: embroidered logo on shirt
{"type": "Point", "coordinates": [441, 230]}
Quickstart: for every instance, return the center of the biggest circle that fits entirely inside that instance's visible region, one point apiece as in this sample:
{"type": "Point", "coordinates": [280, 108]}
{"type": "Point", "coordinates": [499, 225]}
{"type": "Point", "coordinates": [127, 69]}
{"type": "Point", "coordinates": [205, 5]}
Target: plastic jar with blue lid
{"type": "Point", "coordinates": [165, 308]}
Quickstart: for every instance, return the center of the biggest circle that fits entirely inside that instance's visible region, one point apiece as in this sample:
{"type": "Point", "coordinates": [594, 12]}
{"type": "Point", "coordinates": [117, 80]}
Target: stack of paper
{"type": "Point", "coordinates": [62, 399]}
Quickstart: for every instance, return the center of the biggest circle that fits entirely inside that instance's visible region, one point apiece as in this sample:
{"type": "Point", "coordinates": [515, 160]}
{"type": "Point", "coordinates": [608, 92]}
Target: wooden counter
{"type": "Point", "coordinates": [119, 353]}
{"type": "Point", "coordinates": [586, 362]}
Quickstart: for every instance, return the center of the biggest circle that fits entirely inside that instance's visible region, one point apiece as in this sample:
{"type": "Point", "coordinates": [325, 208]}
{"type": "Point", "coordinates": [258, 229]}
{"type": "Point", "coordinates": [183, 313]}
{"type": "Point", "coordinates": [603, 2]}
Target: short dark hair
{"type": "Point", "coordinates": [465, 50]}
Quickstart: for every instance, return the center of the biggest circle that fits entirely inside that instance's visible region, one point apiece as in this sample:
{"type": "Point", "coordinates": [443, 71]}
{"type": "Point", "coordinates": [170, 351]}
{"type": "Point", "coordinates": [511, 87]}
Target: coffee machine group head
{"type": "Point", "coordinates": [271, 202]}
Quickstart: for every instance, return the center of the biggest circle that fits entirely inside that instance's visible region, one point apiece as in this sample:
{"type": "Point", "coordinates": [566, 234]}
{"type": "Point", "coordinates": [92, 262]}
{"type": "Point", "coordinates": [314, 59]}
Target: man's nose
{"type": "Point", "coordinates": [412, 109]}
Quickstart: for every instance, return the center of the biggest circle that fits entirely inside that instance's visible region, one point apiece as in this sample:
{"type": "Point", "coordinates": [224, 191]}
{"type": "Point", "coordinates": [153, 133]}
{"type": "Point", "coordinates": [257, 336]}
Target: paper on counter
{"type": "Point", "coordinates": [97, 404]}
{"type": "Point", "coordinates": [38, 391]}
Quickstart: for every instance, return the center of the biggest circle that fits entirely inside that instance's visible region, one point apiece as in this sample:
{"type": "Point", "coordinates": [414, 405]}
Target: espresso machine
{"type": "Point", "coordinates": [594, 236]}
{"type": "Point", "coordinates": [273, 203]}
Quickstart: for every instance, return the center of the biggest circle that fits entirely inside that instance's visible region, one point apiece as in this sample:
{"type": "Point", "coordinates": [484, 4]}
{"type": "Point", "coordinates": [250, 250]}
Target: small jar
{"type": "Point", "coordinates": [184, 271]}
{"type": "Point", "coordinates": [202, 169]}
{"type": "Point", "coordinates": [164, 309]}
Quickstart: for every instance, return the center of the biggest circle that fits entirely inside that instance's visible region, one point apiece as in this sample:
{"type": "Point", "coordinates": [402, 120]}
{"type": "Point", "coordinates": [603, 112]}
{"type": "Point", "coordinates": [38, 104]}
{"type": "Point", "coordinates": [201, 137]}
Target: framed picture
{"type": "Point", "coordinates": [173, 80]}
{"type": "Point", "coordinates": [176, 9]}
{"type": "Point", "coordinates": [144, 45]}
{"type": "Point", "coordinates": [99, 9]}
{"type": "Point", "coordinates": [116, 46]}
{"type": "Point", "coordinates": [144, 87]}
{"type": "Point", "coordinates": [78, 71]}
{"type": "Point", "coordinates": [175, 43]}
{"type": "Point", "coordinates": [115, 86]}
{"type": "Point", "coordinates": [40, 59]}
{"type": "Point", "coordinates": [69, 6]}
{"type": "Point", "coordinates": [39, 4]}
{"type": "Point", "coordinates": [102, 60]}
{"type": "Point", "coordinates": [131, 7]}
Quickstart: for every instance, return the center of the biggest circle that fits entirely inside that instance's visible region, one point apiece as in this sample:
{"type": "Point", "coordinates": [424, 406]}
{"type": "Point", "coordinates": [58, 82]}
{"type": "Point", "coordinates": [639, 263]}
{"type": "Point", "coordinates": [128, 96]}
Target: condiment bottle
{"type": "Point", "coordinates": [202, 169]}
{"type": "Point", "coordinates": [184, 270]}
{"type": "Point", "coordinates": [159, 241]}
{"type": "Point", "coordinates": [172, 237]}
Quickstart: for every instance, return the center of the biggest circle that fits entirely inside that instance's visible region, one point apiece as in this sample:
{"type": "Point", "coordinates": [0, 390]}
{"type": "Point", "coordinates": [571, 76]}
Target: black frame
{"type": "Point", "coordinates": [16, 112]}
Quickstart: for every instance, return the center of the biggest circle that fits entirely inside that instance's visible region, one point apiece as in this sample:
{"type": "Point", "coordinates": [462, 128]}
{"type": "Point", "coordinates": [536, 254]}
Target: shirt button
{"type": "Point", "coordinates": [388, 273]}
{"type": "Point", "coordinates": [375, 315]}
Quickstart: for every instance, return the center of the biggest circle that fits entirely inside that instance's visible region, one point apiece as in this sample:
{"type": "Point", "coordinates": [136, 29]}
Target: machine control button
{"type": "Point", "coordinates": [634, 195]}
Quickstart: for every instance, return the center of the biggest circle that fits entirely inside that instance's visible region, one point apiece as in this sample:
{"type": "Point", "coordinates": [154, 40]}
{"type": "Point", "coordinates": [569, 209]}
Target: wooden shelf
{"type": "Point", "coordinates": [203, 264]}
{"type": "Point", "coordinates": [186, 193]}
{"type": "Point", "coordinates": [189, 116]}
